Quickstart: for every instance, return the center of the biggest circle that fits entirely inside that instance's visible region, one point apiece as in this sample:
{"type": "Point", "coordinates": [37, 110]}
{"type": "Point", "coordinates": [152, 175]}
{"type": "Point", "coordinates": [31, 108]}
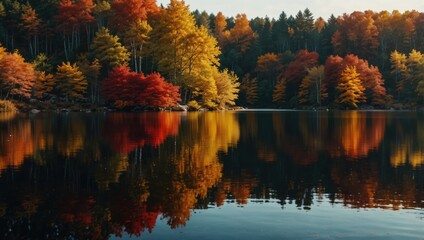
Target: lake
{"type": "Point", "coordinates": [212, 175]}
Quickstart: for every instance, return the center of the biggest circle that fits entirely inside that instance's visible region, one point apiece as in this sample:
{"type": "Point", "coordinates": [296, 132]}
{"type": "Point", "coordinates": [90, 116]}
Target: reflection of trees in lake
{"type": "Point", "coordinates": [16, 141]}
{"type": "Point", "coordinates": [408, 148]}
{"type": "Point", "coordinates": [119, 172]}
{"type": "Point", "coordinates": [313, 154]}
{"type": "Point", "coordinates": [90, 188]}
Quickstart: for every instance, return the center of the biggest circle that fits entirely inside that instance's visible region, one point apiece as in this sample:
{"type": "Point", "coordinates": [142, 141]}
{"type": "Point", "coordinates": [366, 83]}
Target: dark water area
{"type": "Point", "coordinates": [212, 175]}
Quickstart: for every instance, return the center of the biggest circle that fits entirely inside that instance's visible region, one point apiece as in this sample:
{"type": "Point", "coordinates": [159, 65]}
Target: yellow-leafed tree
{"type": "Point", "coordinates": [135, 38]}
{"type": "Point", "coordinates": [108, 50]}
{"type": "Point", "coordinates": [227, 86]}
{"type": "Point", "coordinates": [70, 81]}
{"type": "Point", "coordinates": [399, 69]}
{"type": "Point", "coordinates": [311, 90]}
{"type": "Point", "coordinates": [350, 89]}
{"type": "Point", "coordinates": [187, 55]}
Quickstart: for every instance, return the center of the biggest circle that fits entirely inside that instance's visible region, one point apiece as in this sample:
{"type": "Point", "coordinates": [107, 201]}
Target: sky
{"type": "Point", "coordinates": [273, 8]}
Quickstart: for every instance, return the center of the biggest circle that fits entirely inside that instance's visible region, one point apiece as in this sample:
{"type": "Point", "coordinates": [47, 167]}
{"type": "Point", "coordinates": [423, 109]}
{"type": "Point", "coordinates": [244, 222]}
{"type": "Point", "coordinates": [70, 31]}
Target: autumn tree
{"type": "Point", "coordinates": [357, 34]}
{"type": "Point", "coordinates": [268, 68]}
{"type": "Point", "coordinates": [100, 11]}
{"type": "Point", "coordinates": [44, 83]}
{"type": "Point", "coordinates": [30, 25]}
{"type": "Point", "coordinates": [311, 90]}
{"type": "Point", "coordinates": [186, 54]}
{"type": "Point", "coordinates": [91, 71]}
{"type": "Point", "coordinates": [279, 93]}
{"type": "Point", "coordinates": [227, 86]}
{"type": "Point", "coordinates": [241, 35]}
{"type": "Point", "coordinates": [124, 13]}
{"type": "Point", "coordinates": [71, 17]}
{"type": "Point", "coordinates": [249, 89]}
{"type": "Point", "coordinates": [414, 65]}
{"type": "Point", "coordinates": [108, 50]}
{"type": "Point", "coordinates": [332, 69]}
{"type": "Point", "coordinates": [119, 87]}
{"type": "Point", "coordinates": [157, 93]}
{"type": "Point", "coordinates": [399, 69]}
{"type": "Point", "coordinates": [298, 69]}
{"type": "Point", "coordinates": [124, 88]}
{"type": "Point", "coordinates": [221, 32]}
{"type": "Point", "coordinates": [136, 37]}
{"type": "Point", "coordinates": [350, 89]}
{"type": "Point", "coordinates": [16, 76]}
{"type": "Point", "coordinates": [70, 81]}
{"type": "Point", "coordinates": [408, 73]}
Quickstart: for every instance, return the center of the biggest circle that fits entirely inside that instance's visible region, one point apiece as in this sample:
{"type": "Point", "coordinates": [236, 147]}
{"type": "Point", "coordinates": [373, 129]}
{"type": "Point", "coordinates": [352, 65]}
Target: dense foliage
{"type": "Point", "coordinates": [216, 61]}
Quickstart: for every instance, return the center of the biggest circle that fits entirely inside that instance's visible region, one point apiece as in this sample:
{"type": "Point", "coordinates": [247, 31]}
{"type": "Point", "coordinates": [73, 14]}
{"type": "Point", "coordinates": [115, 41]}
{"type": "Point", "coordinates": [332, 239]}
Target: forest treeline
{"type": "Point", "coordinates": [128, 53]}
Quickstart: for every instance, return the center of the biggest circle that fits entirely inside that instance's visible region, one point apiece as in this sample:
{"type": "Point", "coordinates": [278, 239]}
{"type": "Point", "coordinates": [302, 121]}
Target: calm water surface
{"type": "Point", "coordinates": [212, 175]}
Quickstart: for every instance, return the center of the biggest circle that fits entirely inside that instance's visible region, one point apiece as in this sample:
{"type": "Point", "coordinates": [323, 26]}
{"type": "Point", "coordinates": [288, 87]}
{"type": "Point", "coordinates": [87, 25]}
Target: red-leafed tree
{"type": "Point", "coordinates": [16, 76]}
{"type": "Point", "coordinates": [370, 76]}
{"type": "Point", "coordinates": [332, 70]}
{"type": "Point", "coordinates": [157, 92]}
{"type": "Point", "coordinates": [124, 88]}
{"type": "Point", "coordinates": [71, 17]}
{"type": "Point", "coordinates": [298, 69]}
{"type": "Point", "coordinates": [120, 88]}
{"type": "Point", "coordinates": [126, 12]}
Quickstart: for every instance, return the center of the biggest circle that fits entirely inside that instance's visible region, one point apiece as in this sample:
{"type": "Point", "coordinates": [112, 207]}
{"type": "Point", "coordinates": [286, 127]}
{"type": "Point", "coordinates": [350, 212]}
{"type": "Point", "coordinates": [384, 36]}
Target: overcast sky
{"type": "Point", "coordinates": [273, 8]}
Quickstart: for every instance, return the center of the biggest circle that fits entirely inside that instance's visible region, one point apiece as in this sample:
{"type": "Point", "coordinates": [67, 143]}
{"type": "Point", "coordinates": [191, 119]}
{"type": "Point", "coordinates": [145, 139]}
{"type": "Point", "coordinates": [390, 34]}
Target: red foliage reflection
{"type": "Point", "coordinates": [127, 131]}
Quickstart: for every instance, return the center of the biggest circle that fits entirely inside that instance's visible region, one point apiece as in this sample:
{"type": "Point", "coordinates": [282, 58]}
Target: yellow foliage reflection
{"type": "Point", "coordinates": [196, 167]}
{"type": "Point", "coordinates": [405, 154]}
{"type": "Point", "coordinates": [72, 136]}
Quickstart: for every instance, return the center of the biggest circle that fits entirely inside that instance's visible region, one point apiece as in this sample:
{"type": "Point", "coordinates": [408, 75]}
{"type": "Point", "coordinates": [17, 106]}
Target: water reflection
{"type": "Point", "coordinates": [95, 175]}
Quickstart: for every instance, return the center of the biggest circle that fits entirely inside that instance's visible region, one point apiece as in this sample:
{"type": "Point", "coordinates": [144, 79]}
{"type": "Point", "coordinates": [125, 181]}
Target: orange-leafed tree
{"type": "Point", "coordinates": [242, 35]}
{"type": "Point", "coordinates": [44, 83]}
{"type": "Point", "coordinates": [220, 31]}
{"type": "Point", "coordinates": [16, 76]}
{"type": "Point", "coordinates": [350, 89]}
{"type": "Point", "coordinates": [279, 93]}
{"type": "Point", "coordinates": [357, 34]}
{"type": "Point", "coordinates": [31, 24]}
